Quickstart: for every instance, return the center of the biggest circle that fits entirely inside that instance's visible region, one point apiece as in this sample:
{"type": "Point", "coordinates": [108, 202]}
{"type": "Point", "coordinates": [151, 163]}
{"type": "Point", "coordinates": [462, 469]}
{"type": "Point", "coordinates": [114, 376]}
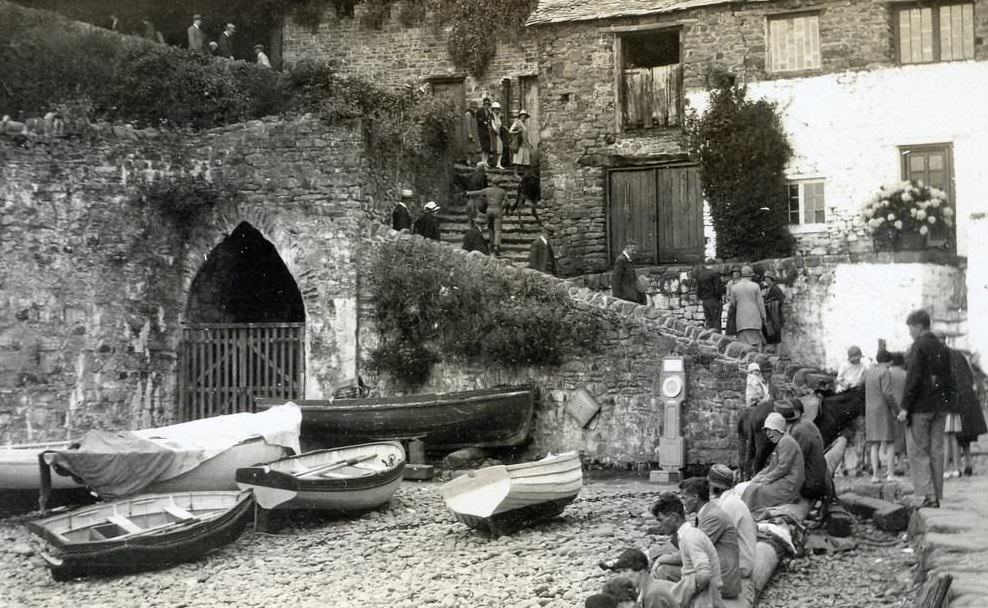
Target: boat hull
{"type": "Point", "coordinates": [142, 552]}
{"type": "Point", "coordinates": [500, 417]}
{"type": "Point", "coordinates": [510, 521]}
{"type": "Point", "coordinates": [219, 472]}
{"type": "Point", "coordinates": [19, 468]}
{"type": "Point", "coordinates": [369, 484]}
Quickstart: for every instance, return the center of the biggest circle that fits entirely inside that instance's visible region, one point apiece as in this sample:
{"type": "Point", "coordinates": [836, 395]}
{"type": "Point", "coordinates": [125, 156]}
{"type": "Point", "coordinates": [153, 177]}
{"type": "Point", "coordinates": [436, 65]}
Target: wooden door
{"type": "Point", "coordinates": [529, 89]}
{"type": "Point", "coordinates": [633, 214]}
{"type": "Point", "coordinates": [455, 91]}
{"type": "Point", "coordinates": [680, 211]}
{"type": "Point", "coordinates": [223, 366]}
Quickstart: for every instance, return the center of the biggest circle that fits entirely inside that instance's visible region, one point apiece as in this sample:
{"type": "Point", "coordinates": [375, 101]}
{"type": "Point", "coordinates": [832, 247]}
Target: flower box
{"type": "Point", "coordinates": [902, 215]}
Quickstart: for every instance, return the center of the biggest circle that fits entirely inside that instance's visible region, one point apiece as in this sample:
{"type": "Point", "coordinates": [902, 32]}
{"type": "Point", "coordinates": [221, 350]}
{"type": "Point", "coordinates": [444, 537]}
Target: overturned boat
{"type": "Point", "coordinates": [489, 418]}
{"type": "Point", "coordinates": [352, 478]}
{"type": "Point", "coordinates": [503, 499]}
{"type": "Point", "coordinates": [199, 455]}
{"type": "Point", "coordinates": [145, 532]}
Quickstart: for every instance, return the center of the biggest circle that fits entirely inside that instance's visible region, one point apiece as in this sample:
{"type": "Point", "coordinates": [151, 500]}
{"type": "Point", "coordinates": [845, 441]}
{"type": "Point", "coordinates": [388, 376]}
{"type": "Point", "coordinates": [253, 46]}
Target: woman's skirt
{"type": "Point", "coordinates": [953, 423]}
{"type": "Point", "coordinates": [753, 337]}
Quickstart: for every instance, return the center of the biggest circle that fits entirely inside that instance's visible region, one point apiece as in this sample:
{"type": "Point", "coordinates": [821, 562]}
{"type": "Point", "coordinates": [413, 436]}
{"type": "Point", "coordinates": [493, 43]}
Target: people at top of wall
{"type": "Point", "coordinates": [401, 217]}
{"type": "Point", "coordinates": [715, 523]}
{"type": "Point", "coordinates": [817, 479]}
{"type": "Point", "coordinates": [774, 300]}
{"type": "Point", "coordinates": [781, 479]}
{"type": "Point", "coordinates": [427, 224]}
{"type": "Point", "coordinates": [750, 309]}
{"type": "Point", "coordinates": [700, 576]}
{"type": "Point", "coordinates": [484, 117]}
{"type": "Point", "coordinates": [471, 136]}
{"type": "Point", "coordinates": [756, 388]}
{"type": "Point", "coordinates": [521, 146]}
{"type": "Point", "coordinates": [197, 38]}
{"type": "Point", "coordinates": [732, 326]}
{"type": "Point", "coordinates": [710, 292]}
{"type": "Point", "coordinates": [624, 279]}
{"type": "Point", "coordinates": [225, 42]}
{"type": "Point", "coordinates": [851, 371]}
{"type": "Point", "coordinates": [260, 57]}
{"type": "Point", "coordinates": [540, 255]}
{"type": "Point", "coordinates": [720, 478]}
{"type": "Point", "coordinates": [925, 403]}
{"type": "Point", "coordinates": [632, 565]}
{"type": "Point", "coordinates": [881, 410]}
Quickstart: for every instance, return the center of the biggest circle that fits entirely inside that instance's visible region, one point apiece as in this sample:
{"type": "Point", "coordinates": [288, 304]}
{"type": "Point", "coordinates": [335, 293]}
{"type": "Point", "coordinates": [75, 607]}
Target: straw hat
{"type": "Point", "coordinates": [432, 206]}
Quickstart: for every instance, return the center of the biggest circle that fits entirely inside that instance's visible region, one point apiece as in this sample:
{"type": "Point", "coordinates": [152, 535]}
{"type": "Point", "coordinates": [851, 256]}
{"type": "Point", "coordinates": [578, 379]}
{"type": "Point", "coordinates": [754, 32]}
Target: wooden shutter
{"type": "Point", "coordinates": [794, 43]}
{"type": "Point", "coordinates": [956, 32]}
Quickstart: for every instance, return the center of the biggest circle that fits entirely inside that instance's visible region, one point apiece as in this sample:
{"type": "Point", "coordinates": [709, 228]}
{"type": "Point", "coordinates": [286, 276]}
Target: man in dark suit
{"type": "Point", "coordinates": [624, 281]}
{"type": "Point", "coordinates": [540, 256]}
{"type": "Point", "coordinates": [924, 407]}
{"type": "Point", "coordinates": [401, 219]}
{"type": "Point", "coordinates": [197, 38]}
{"type": "Point", "coordinates": [225, 43]}
{"type": "Point", "coordinates": [710, 292]}
{"type": "Point", "coordinates": [427, 224]}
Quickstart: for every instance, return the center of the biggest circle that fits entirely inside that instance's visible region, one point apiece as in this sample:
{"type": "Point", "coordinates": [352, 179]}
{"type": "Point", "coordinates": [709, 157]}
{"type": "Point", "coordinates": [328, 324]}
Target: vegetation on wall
{"type": "Point", "coordinates": [181, 202]}
{"type": "Point", "coordinates": [743, 152]}
{"type": "Point", "coordinates": [429, 306]}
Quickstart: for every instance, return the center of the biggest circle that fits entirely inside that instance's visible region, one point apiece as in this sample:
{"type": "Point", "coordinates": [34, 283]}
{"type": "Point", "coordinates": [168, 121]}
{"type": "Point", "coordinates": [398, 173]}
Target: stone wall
{"type": "Point", "coordinates": [622, 377]}
{"type": "Point", "coordinates": [94, 282]}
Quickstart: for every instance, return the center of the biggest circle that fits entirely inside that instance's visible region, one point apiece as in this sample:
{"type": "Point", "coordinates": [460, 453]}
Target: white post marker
{"type": "Point", "coordinates": [672, 449]}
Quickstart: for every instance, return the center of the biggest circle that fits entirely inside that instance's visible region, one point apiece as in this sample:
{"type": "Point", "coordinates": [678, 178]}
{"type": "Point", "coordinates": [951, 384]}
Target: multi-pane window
{"type": "Point", "coordinates": [806, 204]}
{"type": "Point", "coordinates": [926, 34]}
{"type": "Point", "coordinates": [793, 43]}
{"type": "Point", "coordinates": [929, 164]}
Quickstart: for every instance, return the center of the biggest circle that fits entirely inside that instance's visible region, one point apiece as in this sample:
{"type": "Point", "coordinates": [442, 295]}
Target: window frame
{"type": "Point", "coordinates": [619, 40]}
{"type": "Point", "coordinates": [897, 8]}
{"type": "Point", "coordinates": [802, 226]}
{"type": "Point", "coordinates": [905, 153]}
{"type": "Point", "coordinates": [780, 16]}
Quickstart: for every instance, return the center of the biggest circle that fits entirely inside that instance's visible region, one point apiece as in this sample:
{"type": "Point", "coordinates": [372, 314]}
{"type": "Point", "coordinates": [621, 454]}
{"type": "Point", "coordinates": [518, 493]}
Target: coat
{"type": "Point", "coordinates": [929, 379]}
{"type": "Point", "coordinates": [708, 285]}
{"type": "Point", "coordinates": [427, 225]}
{"type": "Point", "coordinates": [879, 404]}
{"type": "Point", "coordinates": [750, 311]}
{"type": "Point", "coordinates": [774, 319]}
{"type": "Point", "coordinates": [523, 155]}
{"type": "Point", "coordinates": [484, 118]}
{"type": "Point", "coordinates": [472, 144]}
{"type": "Point", "coordinates": [400, 218]}
{"type": "Point", "coordinates": [966, 399]}
{"type": "Point", "coordinates": [197, 40]}
{"type": "Point", "coordinates": [624, 281]}
{"type": "Point", "coordinates": [225, 46]}
{"type": "Point", "coordinates": [541, 258]}
{"type": "Point", "coordinates": [781, 479]}
{"type": "Point", "coordinates": [817, 482]}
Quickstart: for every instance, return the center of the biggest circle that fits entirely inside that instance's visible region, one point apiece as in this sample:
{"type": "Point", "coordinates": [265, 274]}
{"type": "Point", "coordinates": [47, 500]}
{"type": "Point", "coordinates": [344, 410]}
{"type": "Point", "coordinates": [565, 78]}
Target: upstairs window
{"type": "Point", "coordinates": [927, 34]}
{"type": "Point", "coordinates": [651, 81]}
{"type": "Point", "coordinates": [806, 204]}
{"type": "Point", "coordinates": [794, 43]}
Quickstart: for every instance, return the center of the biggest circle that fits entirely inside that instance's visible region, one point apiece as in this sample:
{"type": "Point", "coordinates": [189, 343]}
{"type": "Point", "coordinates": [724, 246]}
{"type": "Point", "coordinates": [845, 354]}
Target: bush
{"type": "Point", "coordinates": [428, 305]}
{"type": "Point", "coordinates": [743, 152]}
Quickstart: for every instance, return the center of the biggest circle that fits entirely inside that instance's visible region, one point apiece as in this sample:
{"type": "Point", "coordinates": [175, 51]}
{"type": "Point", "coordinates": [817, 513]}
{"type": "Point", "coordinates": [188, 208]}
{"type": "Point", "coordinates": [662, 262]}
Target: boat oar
{"type": "Point", "coordinates": [336, 465]}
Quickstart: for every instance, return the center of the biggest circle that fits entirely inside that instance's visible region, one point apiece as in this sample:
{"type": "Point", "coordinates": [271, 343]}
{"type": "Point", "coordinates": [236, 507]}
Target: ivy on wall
{"type": "Point", "coordinates": [743, 151]}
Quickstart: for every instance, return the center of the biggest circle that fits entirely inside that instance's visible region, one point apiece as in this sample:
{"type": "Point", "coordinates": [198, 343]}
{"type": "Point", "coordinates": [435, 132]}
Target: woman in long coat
{"type": "Point", "coordinates": [774, 319]}
{"type": "Point", "coordinates": [522, 157]}
{"type": "Point", "coordinates": [880, 410]}
{"type": "Point", "coordinates": [968, 406]}
{"type": "Point", "coordinates": [750, 314]}
{"type": "Point", "coordinates": [779, 482]}
{"type": "Point", "coordinates": [897, 373]}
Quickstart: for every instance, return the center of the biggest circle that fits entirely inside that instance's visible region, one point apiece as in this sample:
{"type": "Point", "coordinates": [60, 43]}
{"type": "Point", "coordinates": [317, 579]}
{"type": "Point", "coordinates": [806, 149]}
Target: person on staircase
{"type": "Point", "coordinates": [710, 292]}
{"type": "Point", "coordinates": [624, 280]}
{"type": "Point", "coordinates": [474, 239]}
{"type": "Point", "coordinates": [401, 218]}
{"type": "Point", "coordinates": [484, 117]}
{"type": "Point", "coordinates": [497, 136]}
{"type": "Point", "coordinates": [521, 145]}
{"type": "Point", "coordinates": [750, 309]}
{"type": "Point", "coordinates": [471, 147]}
{"type": "Point", "coordinates": [494, 195]}
{"type": "Point", "coordinates": [540, 256]}
{"type": "Point", "coordinates": [427, 224]}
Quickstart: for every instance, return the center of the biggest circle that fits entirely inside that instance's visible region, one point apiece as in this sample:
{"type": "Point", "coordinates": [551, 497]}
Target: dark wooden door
{"type": "Point", "coordinates": [222, 366]}
{"type": "Point", "coordinates": [659, 207]}
{"type": "Point", "coordinates": [633, 213]}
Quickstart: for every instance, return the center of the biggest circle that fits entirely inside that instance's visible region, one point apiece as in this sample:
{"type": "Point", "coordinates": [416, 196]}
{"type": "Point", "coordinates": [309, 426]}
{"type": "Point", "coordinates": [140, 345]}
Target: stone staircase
{"type": "Point", "coordinates": [517, 230]}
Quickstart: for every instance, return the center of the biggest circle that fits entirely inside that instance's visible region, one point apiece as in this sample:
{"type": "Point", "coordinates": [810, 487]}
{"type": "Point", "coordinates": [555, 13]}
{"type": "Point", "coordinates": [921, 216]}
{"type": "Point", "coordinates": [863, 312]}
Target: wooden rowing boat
{"type": "Point", "coordinates": [344, 479]}
{"type": "Point", "coordinates": [497, 417]}
{"type": "Point", "coordinates": [145, 532]}
{"type": "Point", "coordinates": [502, 499]}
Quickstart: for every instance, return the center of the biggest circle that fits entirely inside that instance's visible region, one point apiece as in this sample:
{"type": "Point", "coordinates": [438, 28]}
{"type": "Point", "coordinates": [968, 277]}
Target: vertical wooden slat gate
{"type": "Point", "coordinates": [222, 367]}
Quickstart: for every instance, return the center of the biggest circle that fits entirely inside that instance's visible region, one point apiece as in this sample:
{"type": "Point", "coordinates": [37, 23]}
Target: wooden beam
{"type": "Point", "coordinates": [124, 523]}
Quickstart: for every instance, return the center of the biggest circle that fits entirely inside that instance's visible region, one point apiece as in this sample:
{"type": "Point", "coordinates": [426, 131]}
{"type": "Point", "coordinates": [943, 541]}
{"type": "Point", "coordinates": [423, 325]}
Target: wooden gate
{"type": "Point", "coordinates": [222, 367]}
{"type": "Point", "coordinates": [659, 207]}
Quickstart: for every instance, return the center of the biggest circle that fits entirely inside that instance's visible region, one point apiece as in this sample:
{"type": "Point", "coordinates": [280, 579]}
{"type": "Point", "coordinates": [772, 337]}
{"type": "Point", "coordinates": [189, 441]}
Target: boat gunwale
{"type": "Point", "coordinates": [406, 402]}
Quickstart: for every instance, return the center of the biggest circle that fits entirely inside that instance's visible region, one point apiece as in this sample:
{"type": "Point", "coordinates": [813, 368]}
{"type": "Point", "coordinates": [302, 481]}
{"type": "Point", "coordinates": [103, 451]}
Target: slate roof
{"type": "Point", "coordinates": [559, 11]}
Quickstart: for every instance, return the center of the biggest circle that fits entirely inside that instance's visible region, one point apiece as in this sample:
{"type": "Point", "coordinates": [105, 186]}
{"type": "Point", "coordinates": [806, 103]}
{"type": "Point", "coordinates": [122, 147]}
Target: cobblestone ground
{"type": "Point", "coordinates": [412, 553]}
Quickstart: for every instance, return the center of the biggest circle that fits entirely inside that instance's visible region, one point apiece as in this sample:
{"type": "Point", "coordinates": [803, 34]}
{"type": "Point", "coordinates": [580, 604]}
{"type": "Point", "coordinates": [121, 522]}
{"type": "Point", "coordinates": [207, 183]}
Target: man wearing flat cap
{"type": "Point", "coordinates": [817, 484]}
{"type": "Point", "coordinates": [632, 565]}
{"type": "Point", "coordinates": [721, 479]}
{"type": "Point", "coordinates": [851, 372]}
{"type": "Point", "coordinates": [197, 37]}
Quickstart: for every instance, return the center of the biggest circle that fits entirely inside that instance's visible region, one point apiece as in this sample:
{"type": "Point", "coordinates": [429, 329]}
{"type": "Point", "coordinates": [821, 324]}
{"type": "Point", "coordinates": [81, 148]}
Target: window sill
{"type": "Point", "coordinates": [807, 228]}
{"type": "Point", "coordinates": [771, 75]}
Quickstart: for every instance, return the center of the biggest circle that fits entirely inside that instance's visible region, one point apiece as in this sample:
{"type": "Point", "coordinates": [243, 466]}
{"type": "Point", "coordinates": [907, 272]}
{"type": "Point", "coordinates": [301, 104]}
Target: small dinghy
{"type": "Point", "coordinates": [343, 479]}
{"type": "Point", "coordinates": [502, 499]}
{"type": "Point", "coordinates": [145, 532]}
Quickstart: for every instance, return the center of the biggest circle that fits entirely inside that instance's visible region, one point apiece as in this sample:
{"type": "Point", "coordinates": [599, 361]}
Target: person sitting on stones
{"type": "Point", "coordinates": [779, 482]}
{"type": "Point", "coordinates": [817, 483]}
{"type": "Point", "coordinates": [601, 600]}
{"type": "Point", "coordinates": [851, 372]}
{"type": "Point", "coordinates": [473, 239]}
{"type": "Point", "coordinates": [756, 389]}
{"type": "Point", "coordinates": [632, 566]}
{"type": "Point", "coordinates": [700, 577]}
{"type": "Point", "coordinates": [714, 522]}
{"type": "Point", "coordinates": [427, 224]}
{"type": "Point", "coordinates": [721, 479]}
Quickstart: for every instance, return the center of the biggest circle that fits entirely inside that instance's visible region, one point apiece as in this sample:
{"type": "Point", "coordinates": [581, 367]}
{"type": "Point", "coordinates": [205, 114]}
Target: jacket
{"type": "Point", "coordinates": [708, 285]}
{"type": "Point", "coordinates": [624, 281]}
{"type": "Point", "coordinates": [428, 226]}
{"type": "Point", "coordinates": [197, 40]}
{"type": "Point", "coordinates": [541, 258]}
{"type": "Point", "coordinates": [929, 378]}
{"type": "Point", "coordinates": [225, 46]}
{"type": "Point", "coordinates": [400, 218]}
{"type": "Point", "coordinates": [750, 312]}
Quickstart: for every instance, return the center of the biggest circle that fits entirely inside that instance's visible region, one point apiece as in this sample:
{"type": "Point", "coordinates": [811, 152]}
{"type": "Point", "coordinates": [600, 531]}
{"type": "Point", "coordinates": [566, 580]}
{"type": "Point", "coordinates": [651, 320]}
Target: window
{"type": "Point", "coordinates": [793, 43]}
{"type": "Point", "coordinates": [929, 164]}
{"type": "Point", "coordinates": [806, 204]}
{"type": "Point", "coordinates": [926, 34]}
{"type": "Point", "coordinates": [651, 76]}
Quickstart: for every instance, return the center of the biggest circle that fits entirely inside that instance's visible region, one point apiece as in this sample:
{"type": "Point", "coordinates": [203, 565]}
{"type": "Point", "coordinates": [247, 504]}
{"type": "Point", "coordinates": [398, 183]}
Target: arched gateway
{"type": "Point", "coordinates": [245, 330]}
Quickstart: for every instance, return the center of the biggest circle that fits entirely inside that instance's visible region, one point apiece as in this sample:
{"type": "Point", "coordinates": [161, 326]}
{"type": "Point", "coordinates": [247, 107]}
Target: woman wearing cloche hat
{"type": "Point", "coordinates": [521, 146]}
{"type": "Point", "coordinates": [779, 482]}
{"type": "Point", "coordinates": [750, 313]}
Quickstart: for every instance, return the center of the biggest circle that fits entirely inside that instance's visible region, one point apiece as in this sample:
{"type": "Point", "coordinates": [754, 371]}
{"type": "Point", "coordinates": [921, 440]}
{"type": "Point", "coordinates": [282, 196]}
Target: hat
{"type": "Point", "coordinates": [754, 367]}
{"type": "Point", "coordinates": [405, 192]}
{"type": "Point", "coordinates": [853, 351]}
{"type": "Point", "coordinates": [770, 275]}
{"type": "Point", "coordinates": [196, 16]}
{"type": "Point", "coordinates": [776, 422]}
{"type": "Point", "coordinates": [600, 600]}
{"type": "Point", "coordinates": [487, 100]}
{"type": "Point", "coordinates": [720, 476]}
{"type": "Point", "coordinates": [630, 559]}
{"type": "Point", "coordinates": [520, 112]}
{"type": "Point", "coordinates": [258, 47]}
{"type": "Point", "coordinates": [496, 105]}
{"type": "Point", "coordinates": [787, 410]}
{"type": "Point", "coordinates": [746, 271]}
{"type": "Point", "coordinates": [432, 206]}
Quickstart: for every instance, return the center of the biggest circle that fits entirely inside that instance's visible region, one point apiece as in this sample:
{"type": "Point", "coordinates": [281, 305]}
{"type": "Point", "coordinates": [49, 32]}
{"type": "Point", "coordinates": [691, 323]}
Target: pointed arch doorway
{"type": "Point", "coordinates": [244, 335]}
